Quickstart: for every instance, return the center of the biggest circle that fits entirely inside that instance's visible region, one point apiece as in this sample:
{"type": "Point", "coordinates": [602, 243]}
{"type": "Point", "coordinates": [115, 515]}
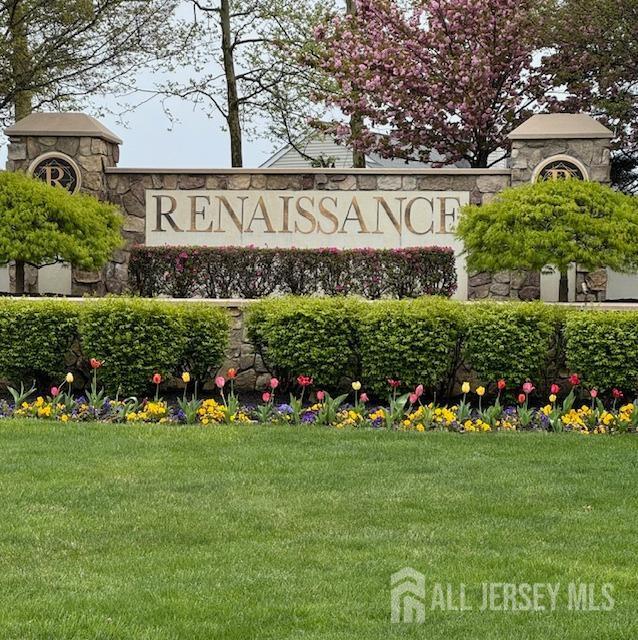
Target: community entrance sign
{"type": "Point", "coordinates": [381, 219]}
{"type": "Point", "coordinates": [303, 207]}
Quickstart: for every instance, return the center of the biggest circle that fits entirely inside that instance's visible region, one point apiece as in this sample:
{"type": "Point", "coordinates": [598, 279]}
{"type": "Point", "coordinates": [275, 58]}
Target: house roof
{"type": "Point", "coordinates": [546, 126]}
{"type": "Point", "coordinates": [62, 124]}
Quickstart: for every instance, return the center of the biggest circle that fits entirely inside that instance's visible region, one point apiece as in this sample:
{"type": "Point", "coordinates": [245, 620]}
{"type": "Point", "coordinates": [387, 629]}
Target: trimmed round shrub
{"type": "Point", "coordinates": [602, 346]}
{"type": "Point", "coordinates": [36, 337]}
{"type": "Point", "coordinates": [413, 341]}
{"type": "Point", "coordinates": [317, 337]}
{"type": "Point", "coordinates": [137, 338]}
{"type": "Point", "coordinates": [514, 341]}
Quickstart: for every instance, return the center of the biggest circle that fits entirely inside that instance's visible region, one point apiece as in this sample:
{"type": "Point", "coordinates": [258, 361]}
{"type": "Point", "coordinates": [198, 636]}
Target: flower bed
{"type": "Point", "coordinates": [251, 272]}
{"type": "Point", "coordinates": [405, 412]}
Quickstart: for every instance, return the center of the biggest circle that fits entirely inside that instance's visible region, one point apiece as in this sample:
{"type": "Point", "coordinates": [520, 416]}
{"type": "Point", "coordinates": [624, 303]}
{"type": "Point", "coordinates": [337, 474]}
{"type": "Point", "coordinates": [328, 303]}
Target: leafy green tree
{"type": "Point", "coordinates": [552, 224]}
{"type": "Point", "coordinates": [41, 225]}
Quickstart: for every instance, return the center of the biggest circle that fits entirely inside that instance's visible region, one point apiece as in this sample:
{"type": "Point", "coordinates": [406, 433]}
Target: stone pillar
{"type": "Point", "coordinates": [553, 146]}
{"type": "Point", "coordinates": [70, 149]}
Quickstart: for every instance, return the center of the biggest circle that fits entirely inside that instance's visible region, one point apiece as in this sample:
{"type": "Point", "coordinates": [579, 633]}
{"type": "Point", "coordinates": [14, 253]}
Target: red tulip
{"type": "Point", "coordinates": [574, 379]}
{"type": "Point", "coordinates": [394, 383]}
{"type": "Point", "coordinates": [232, 374]}
{"type": "Point", "coordinates": [274, 383]}
{"type": "Point", "coordinates": [501, 384]}
{"type": "Point", "coordinates": [593, 393]}
{"type": "Point", "coordinates": [364, 398]}
{"type": "Point", "coordinates": [265, 396]}
{"type": "Point", "coordinates": [157, 378]}
{"type": "Point", "coordinates": [321, 395]}
{"type": "Point", "coordinates": [522, 397]}
{"type": "Point", "coordinates": [220, 382]}
{"type": "Point", "coordinates": [617, 393]}
{"type": "Point", "coordinates": [55, 392]}
{"type": "Point", "coordinates": [554, 389]}
{"type": "Point", "coordinates": [95, 363]}
{"type": "Point", "coordinates": [304, 381]}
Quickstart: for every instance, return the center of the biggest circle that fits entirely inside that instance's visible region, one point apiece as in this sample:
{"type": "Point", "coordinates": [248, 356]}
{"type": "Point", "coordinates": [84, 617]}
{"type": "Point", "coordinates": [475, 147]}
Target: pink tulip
{"type": "Point", "coordinates": [220, 382]}
{"type": "Point", "coordinates": [321, 395]}
{"type": "Point", "coordinates": [265, 396]}
{"type": "Point", "coordinates": [554, 389]}
{"type": "Point", "coordinates": [55, 392]}
{"type": "Point", "coordinates": [274, 383]}
{"type": "Point", "coordinates": [364, 398]}
{"type": "Point", "coordinates": [414, 398]}
{"type": "Point", "coordinates": [419, 391]}
{"type": "Point", "coordinates": [593, 393]}
{"type": "Point", "coordinates": [522, 397]}
{"type": "Point", "coordinates": [528, 387]}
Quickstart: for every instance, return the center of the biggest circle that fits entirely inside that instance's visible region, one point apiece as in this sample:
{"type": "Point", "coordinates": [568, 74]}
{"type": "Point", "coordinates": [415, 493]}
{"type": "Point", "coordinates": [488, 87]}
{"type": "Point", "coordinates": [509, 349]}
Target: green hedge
{"type": "Point", "coordinates": [516, 342]}
{"type": "Point", "coordinates": [317, 337]}
{"type": "Point", "coordinates": [42, 340]}
{"type": "Point", "coordinates": [35, 339]}
{"type": "Point", "coordinates": [426, 340]}
{"type": "Point", "coordinates": [603, 347]}
{"type": "Point", "coordinates": [411, 341]}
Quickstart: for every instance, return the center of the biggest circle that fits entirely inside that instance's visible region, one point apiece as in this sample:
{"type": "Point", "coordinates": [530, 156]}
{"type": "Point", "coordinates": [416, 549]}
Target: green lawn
{"type": "Point", "coordinates": [163, 532]}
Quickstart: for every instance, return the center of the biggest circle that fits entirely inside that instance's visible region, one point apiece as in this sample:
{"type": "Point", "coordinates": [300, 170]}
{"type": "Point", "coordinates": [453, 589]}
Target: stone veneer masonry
{"type": "Point", "coordinates": [97, 157]}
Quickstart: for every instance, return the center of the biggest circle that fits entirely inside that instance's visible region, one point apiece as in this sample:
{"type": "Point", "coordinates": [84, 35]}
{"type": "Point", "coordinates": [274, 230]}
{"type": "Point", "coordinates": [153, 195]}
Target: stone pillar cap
{"type": "Point", "coordinates": [61, 124]}
{"type": "Point", "coordinates": [545, 126]}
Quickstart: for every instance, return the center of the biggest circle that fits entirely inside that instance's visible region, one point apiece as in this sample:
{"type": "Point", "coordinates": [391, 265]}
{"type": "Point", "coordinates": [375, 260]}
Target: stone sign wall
{"type": "Point", "coordinates": [307, 207]}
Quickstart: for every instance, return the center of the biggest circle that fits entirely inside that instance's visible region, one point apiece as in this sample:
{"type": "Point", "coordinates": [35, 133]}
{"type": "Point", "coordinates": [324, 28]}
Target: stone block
{"type": "Point", "coordinates": [434, 183]}
{"type": "Point", "coordinates": [132, 206]}
{"type": "Point", "coordinates": [502, 277]}
{"type": "Point", "coordinates": [98, 147]}
{"type": "Point", "coordinates": [34, 149]}
{"type": "Point", "coordinates": [47, 141]}
{"type": "Point", "coordinates": [17, 151]}
{"type": "Point", "coordinates": [134, 224]}
{"type": "Point", "coordinates": [192, 182]}
{"type": "Point", "coordinates": [479, 293]}
{"type": "Point", "coordinates": [277, 181]}
{"type": "Point", "coordinates": [529, 293]}
{"type": "Point", "coordinates": [479, 279]}
{"type": "Point", "coordinates": [500, 290]}
{"type": "Point", "coordinates": [342, 183]}
{"type": "Point", "coordinates": [169, 181]}
{"type": "Point", "coordinates": [86, 277]}
{"type": "Point", "coordinates": [258, 181]}
{"type": "Point", "coordinates": [366, 182]}
{"type": "Point", "coordinates": [68, 145]}
{"type": "Point", "coordinates": [389, 183]}
{"type": "Point", "coordinates": [408, 183]}
{"type": "Point", "coordinates": [492, 184]}
{"type": "Point", "coordinates": [239, 181]}
{"type": "Point", "coordinates": [91, 163]}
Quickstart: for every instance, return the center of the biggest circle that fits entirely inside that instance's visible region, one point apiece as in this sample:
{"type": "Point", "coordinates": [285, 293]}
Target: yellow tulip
{"type": "Point", "coordinates": [465, 388]}
{"type": "Point", "coordinates": [356, 385]}
{"type": "Point", "coordinates": [69, 378]}
{"type": "Point", "coordinates": [186, 377]}
{"type": "Point", "coordinates": [552, 398]}
{"type": "Point", "coordinates": [480, 391]}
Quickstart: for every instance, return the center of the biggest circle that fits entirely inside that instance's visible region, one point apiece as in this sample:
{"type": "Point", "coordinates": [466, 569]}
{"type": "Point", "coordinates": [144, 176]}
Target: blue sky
{"type": "Point", "coordinates": [194, 141]}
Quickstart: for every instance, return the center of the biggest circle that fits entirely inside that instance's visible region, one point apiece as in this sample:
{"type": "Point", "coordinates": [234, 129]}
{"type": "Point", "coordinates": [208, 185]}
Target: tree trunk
{"type": "Point", "coordinates": [19, 277]}
{"type": "Point", "coordinates": [563, 288]}
{"type": "Point", "coordinates": [232, 96]}
{"type": "Point", "coordinates": [356, 120]}
{"type": "Point", "coordinates": [20, 61]}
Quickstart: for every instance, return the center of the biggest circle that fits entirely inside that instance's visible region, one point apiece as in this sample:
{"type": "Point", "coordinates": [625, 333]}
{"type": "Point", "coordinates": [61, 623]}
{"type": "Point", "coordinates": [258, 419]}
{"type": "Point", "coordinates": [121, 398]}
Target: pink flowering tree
{"type": "Point", "coordinates": [454, 76]}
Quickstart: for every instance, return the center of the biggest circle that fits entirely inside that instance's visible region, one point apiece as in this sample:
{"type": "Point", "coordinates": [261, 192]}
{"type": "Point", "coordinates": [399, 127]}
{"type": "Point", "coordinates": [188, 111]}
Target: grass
{"type": "Point", "coordinates": [149, 532]}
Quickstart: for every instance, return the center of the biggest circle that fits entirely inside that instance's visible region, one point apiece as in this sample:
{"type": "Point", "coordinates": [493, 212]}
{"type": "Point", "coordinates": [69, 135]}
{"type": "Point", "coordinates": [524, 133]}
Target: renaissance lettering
{"type": "Point", "coordinates": [307, 218]}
